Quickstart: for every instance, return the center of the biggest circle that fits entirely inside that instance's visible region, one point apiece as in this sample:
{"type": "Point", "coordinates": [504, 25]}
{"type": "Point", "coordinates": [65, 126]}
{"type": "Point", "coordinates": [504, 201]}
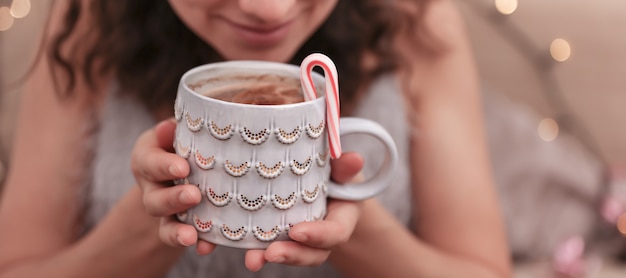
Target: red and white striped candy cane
{"type": "Point", "coordinates": [332, 95]}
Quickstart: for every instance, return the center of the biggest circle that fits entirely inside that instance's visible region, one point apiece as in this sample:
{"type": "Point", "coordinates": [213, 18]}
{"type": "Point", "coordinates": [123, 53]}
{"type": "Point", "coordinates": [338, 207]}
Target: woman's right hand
{"type": "Point", "coordinates": [155, 165]}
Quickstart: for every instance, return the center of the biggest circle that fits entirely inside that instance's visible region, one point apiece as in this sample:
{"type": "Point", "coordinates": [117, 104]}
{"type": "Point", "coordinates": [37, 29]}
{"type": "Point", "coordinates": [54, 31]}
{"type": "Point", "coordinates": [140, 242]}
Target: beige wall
{"type": "Point", "coordinates": [593, 80]}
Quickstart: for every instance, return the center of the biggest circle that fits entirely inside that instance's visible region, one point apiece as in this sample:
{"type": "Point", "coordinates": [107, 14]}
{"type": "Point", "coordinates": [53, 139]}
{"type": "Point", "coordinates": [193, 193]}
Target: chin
{"type": "Point", "coordinates": [270, 57]}
{"type": "Point", "coordinates": [273, 54]}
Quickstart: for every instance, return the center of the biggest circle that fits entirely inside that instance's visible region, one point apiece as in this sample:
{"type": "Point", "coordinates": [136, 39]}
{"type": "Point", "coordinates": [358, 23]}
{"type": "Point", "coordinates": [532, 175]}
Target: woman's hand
{"type": "Point", "coordinates": [313, 241]}
{"type": "Point", "coordinates": [155, 165]}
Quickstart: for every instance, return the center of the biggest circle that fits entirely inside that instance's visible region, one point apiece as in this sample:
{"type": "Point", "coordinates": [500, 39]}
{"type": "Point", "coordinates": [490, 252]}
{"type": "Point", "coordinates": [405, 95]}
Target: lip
{"type": "Point", "coordinates": [263, 35]}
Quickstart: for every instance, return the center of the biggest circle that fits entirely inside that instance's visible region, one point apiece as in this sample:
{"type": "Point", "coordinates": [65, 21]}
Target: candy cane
{"type": "Point", "coordinates": [332, 95]}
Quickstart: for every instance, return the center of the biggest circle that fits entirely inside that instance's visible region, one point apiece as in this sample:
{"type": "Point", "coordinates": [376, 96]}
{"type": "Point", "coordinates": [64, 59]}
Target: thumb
{"type": "Point", "coordinates": [346, 167]}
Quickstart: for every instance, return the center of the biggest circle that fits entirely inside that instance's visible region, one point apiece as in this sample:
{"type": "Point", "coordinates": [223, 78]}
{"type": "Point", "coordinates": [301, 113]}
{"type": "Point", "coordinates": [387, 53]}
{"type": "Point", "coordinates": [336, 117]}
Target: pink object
{"type": "Point", "coordinates": [332, 95]}
{"type": "Point", "coordinates": [568, 257]}
{"type": "Point", "coordinates": [612, 208]}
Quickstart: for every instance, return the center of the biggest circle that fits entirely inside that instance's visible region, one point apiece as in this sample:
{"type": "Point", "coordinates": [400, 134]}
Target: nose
{"type": "Point", "coordinates": [267, 11]}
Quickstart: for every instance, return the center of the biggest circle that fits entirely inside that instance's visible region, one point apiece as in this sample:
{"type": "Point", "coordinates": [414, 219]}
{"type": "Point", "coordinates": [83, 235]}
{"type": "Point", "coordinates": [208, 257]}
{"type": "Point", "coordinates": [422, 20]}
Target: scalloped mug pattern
{"type": "Point", "coordinates": [262, 169]}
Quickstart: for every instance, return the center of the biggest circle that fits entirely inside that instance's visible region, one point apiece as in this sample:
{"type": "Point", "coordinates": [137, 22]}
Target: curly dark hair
{"type": "Point", "coordinates": [158, 48]}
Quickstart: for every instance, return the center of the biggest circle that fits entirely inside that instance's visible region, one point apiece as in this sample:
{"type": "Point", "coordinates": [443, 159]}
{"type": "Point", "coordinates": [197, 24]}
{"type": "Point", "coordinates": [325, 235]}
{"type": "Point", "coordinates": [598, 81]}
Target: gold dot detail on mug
{"type": "Point", "coordinates": [236, 171]}
{"type": "Point", "coordinates": [311, 196]}
{"type": "Point", "coordinates": [266, 236]}
{"type": "Point", "coordinates": [182, 151]}
{"type": "Point", "coordinates": [315, 131]}
{"type": "Point", "coordinates": [284, 203]}
{"type": "Point", "coordinates": [270, 172]}
{"type": "Point", "coordinates": [205, 163]}
{"type": "Point", "coordinates": [226, 132]}
{"type": "Point", "coordinates": [288, 228]}
{"type": "Point", "coordinates": [194, 124]}
{"type": "Point", "coordinates": [249, 204]}
{"type": "Point", "coordinates": [301, 168]}
{"type": "Point", "coordinates": [322, 158]}
{"type": "Point", "coordinates": [202, 226]}
{"type": "Point", "coordinates": [219, 200]}
{"type": "Point", "coordinates": [178, 111]}
{"type": "Point", "coordinates": [254, 138]}
{"type": "Point", "coordinates": [234, 235]}
{"type": "Point", "coordinates": [288, 137]}
{"type": "Point", "coordinates": [221, 133]}
{"type": "Point", "coordinates": [319, 217]}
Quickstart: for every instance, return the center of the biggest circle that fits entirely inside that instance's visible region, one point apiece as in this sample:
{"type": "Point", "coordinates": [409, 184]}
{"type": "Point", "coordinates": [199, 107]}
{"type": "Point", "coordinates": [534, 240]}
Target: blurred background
{"type": "Point", "coordinates": [558, 56]}
{"type": "Point", "coordinates": [555, 101]}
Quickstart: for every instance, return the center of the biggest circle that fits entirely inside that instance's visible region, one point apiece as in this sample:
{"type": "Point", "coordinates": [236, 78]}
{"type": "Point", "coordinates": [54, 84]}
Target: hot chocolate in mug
{"type": "Point", "coordinates": [260, 154]}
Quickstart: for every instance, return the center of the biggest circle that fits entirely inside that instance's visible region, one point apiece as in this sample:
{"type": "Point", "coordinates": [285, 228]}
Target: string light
{"type": "Point", "coordinates": [17, 9]}
{"type": "Point", "coordinates": [6, 19]}
{"type": "Point", "coordinates": [506, 6]}
{"type": "Point", "coordinates": [560, 50]}
{"type": "Point", "coordinates": [548, 129]}
{"type": "Point", "coordinates": [20, 8]}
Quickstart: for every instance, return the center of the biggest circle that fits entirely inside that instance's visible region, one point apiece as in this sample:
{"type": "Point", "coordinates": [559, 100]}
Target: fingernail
{"type": "Point", "coordinates": [185, 197]}
{"type": "Point", "coordinates": [300, 237]}
{"type": "Point", "coordinates": [174, 171]}
{"type": "Point", "coordinates": [180, 241]}
{"type": "Point", "coordinates": [279, 260]}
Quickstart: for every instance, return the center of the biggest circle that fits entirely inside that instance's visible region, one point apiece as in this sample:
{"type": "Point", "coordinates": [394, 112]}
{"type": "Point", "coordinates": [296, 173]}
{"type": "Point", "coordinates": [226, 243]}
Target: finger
{"type": "Point", "coordinates": [166, 201]}
{"type": "Point", "coordinates": [346, 167]}
{"type": "Point", "coordinates": [152, 163]}
{"type": "Point", "coordinates": [165, 131]}
{"type": "Point", "coordinates": [174, 233]}
{"type": "Point", "coordinates": [204, 247]}
{"type": "Point", "coordinates": [337, 228]}
{"type": "Point", "coordinates": [151, 152]}
{"type": "Point", "coordinates": [621, 224]}
{"type": "Point", "coordinates": [255, 260]}
{"type": "Point", "coordinates": [293, 253]}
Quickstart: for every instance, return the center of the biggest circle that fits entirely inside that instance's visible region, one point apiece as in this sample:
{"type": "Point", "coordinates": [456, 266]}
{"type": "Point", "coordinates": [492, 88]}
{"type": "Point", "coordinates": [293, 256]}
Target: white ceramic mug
{"type": "Point", "coordinates": [261, 168]}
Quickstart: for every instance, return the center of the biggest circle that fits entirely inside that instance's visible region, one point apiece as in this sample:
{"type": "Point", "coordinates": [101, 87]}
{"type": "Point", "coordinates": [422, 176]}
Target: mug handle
{"type": "Point", "coordinates": [378, 183]}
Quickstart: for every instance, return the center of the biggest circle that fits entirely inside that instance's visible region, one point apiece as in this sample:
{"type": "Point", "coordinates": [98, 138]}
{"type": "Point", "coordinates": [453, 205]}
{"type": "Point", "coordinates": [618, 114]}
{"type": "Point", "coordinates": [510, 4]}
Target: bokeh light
{"type": "Point", "coordinates": [560, 50]}
{"type": "Point", "coordinates": [6, 19]}
{"type": "Point", "coordinates": [506, 6]}
{"type": "Point", "coordinates": [20, 8]}
{"type": "Point", "coordinates": [548, 129]}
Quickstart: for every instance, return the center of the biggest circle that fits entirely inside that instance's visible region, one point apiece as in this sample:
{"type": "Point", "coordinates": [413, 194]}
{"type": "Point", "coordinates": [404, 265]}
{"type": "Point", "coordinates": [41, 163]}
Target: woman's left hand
{"type": "Point", "coordinates": [313, 241]}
